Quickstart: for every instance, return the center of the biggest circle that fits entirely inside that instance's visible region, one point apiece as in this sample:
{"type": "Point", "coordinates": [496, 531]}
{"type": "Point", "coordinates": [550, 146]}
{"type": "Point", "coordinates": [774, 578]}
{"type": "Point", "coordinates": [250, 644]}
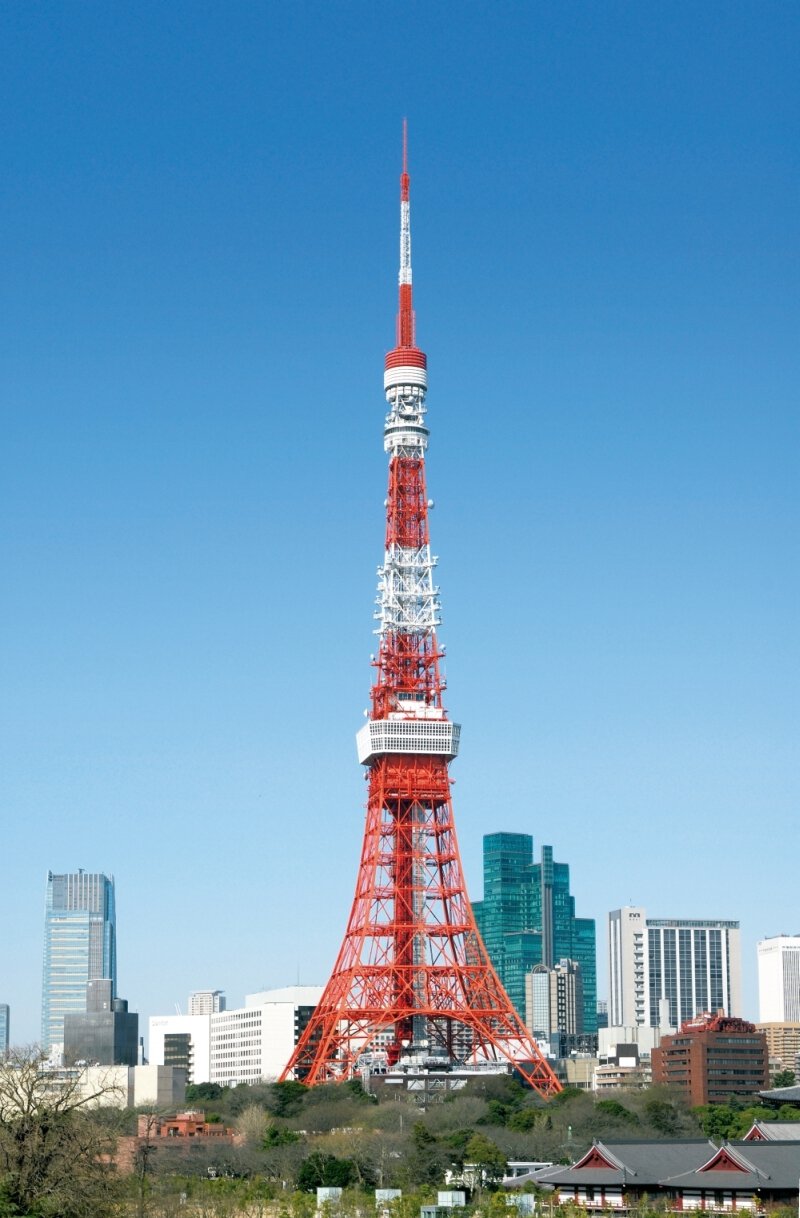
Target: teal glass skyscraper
{"type": "Point", "coordinates": [79, 945]}
{"type": "Point", "coordinates": [527, 917]}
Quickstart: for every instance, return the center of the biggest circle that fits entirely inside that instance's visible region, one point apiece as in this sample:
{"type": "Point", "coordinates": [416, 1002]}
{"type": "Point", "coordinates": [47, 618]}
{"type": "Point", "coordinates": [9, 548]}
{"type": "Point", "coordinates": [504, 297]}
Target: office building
{"type": "Point", "coordinates": [79, 946]}
{"type": "Point", "coordinates": [254, 1043]}
{"type": "Point", "coordinates": [554, 1000]}
{"type": "Point", "coordinates": [527, 917]}
{"type": "Point", "coordinates": [182, 1041]}
{"type": "Point", "coordinates": [693, 964]}
{"type": "Point", "coordinates": [249, 1044]}
{"type": "Point", "coordinates": [105, 1034]}
{"type": "Point", "coordinates": [713, 1059]}
{"type": "Point", "coordinates": [5, 1029]}
{"type": "Point", "coordinates": [779, 979]}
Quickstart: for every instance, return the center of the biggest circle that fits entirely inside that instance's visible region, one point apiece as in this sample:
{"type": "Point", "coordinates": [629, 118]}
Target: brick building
{"type": "Point", "coordinates": [713, 1059]}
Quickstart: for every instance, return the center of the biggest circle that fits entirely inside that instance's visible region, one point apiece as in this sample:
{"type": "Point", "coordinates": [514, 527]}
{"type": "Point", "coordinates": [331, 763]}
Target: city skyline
{"type": "Point", "coordinates": [198, 219]}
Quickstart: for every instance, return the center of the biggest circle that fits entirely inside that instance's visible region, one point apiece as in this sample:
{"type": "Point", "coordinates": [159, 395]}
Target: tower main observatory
{"type": "Point", "coordinates": [412, 981]}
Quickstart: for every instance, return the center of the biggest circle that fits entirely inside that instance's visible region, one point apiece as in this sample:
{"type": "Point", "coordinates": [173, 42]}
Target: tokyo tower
{"type": "Point", "coordinates": [412, 978]}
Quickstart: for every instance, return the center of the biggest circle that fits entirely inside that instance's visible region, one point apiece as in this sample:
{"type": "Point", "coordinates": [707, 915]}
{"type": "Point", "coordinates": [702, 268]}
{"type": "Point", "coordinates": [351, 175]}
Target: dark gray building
{"type": "Point", "coordinates": [106, 1033]}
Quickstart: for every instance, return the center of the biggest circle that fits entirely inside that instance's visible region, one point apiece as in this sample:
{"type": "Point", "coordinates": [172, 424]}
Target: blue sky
{"type": "Point", "coordinates": [198, 215]}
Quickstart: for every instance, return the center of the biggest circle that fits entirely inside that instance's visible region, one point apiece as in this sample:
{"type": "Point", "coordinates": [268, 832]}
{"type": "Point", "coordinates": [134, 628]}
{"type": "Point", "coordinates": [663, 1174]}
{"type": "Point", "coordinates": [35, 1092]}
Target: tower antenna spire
{"type": "Point", "coordinates": [405, 305]}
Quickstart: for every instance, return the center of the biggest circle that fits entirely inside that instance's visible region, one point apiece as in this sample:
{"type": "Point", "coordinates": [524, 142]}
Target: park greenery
{"type": "Point", "coordinates": [58, 1151]}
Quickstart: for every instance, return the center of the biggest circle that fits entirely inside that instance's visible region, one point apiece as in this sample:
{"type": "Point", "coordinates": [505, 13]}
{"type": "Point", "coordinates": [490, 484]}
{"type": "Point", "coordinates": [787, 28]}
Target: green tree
{"type": "Point", "coordinates": [616, 1111]}
{"type": "Point", "coordinates": [530, 1118]}
{"type": "Point", "coordinates": [487, 1157]}
{"type": "Point", "coordinates": [497, 1113]}
{"type": "Point", "coordinates": [321, 1170]}
{"type": "Point", "coordinates": [427, 1158]}
{"type": "Point", "coordinates": [202, 1092]}
{"type": "Point", "coordinates": [784, 1078]}
{"type": "Point", "coordinates": [717, 1120]}
{"type": "Point", "coordinates": [663, 1115]}
{"type": "Point", "coordinates": [287, 1097]}
{"type": "Point", "coordinates": [279, 1135]}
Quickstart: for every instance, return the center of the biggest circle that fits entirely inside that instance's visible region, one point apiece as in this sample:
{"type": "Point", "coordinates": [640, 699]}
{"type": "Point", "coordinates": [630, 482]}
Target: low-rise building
{"type": "Point", "coordinates": [773, 1131]}
{"type": "Point", "coordinates": [191, 1124]}
{"type": "Point", "coordinates": [132, 1086]}
{"type": "Point", "coordinates": [691, 1174]}
{"type": "Point", "coordinates": [611, 1076]}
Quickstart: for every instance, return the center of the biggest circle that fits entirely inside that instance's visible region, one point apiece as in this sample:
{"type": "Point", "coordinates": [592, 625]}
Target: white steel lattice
{"type": "Point", "coordinates": [408, 600]}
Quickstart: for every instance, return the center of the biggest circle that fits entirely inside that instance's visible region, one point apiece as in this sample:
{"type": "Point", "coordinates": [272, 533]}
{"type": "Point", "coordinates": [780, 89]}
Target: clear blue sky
{"type": "Point", "coordinates": [199, 251]}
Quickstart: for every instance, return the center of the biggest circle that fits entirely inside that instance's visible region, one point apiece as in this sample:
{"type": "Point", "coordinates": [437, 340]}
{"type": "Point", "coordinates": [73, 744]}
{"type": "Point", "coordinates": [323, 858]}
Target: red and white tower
{"type": "Point", "coordinates": [412, 973]}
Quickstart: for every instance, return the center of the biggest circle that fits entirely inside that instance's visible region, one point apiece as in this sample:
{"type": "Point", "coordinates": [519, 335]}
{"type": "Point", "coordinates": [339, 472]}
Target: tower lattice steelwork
{"type": "Point", "coordinates": [412, 975]}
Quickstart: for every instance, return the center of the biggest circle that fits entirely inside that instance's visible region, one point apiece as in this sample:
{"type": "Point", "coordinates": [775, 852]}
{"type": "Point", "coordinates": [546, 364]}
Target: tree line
{"type": "Point", "coordinates": [59, 1148]}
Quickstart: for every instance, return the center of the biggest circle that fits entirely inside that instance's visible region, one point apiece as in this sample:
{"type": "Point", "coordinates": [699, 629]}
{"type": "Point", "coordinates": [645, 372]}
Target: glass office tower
{"type": "Point", "coordinates": [527, 917]}
{"type": "Point", "coordinates": [79, 946]}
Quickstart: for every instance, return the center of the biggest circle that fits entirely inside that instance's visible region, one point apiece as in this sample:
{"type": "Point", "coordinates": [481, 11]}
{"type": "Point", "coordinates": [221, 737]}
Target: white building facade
{"type": "Point", "coordinates": [691, 965]}
{"type": "Point", "coordinates": [779, 979]}
{"type": "Point", "coordinates": [554, 1000]}
{"type": "Point", "coordinates": [249, 1045]}
{"type": "Point", "coordinates": [166, 1031]}
{"type": "Point", "coordinates": [254, 1043]}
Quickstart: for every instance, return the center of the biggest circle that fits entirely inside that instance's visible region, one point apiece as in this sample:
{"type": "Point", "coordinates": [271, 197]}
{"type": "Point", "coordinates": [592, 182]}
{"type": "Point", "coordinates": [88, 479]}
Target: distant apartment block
{"type": "Point", "coordinates": [691, 965]}
{"type": "Point", "coordinates": [783, 1043]}
{"type": "Point", "coordinates": [79, 945]}
{"type": "Point", "coordinates": [779, 979]}
{"type": "Point", "coordinates": [5, 1029]}
{"type": "Point", "coordinates": [206, 1002]}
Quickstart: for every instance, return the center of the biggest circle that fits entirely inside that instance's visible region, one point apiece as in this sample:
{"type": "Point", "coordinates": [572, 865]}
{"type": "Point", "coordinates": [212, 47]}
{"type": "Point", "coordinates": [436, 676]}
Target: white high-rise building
{"type": "Point", "coordinates": [627, 966]}
{"type": "Point", "coordinates": [554, 1000]}
{"type": "Point", "coordinates": [693, 964]}
{"type": "Point", "coordinates": [779, 979]}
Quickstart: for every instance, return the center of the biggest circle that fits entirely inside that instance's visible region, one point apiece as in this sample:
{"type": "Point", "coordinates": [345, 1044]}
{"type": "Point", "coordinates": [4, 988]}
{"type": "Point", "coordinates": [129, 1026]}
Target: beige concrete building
{"type": "Point", "coordinates": [783, 1045]}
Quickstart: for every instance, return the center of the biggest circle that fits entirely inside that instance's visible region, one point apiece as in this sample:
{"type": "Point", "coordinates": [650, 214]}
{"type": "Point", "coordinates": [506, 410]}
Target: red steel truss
{"type": "Point", "coordinates": [412, 970]}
